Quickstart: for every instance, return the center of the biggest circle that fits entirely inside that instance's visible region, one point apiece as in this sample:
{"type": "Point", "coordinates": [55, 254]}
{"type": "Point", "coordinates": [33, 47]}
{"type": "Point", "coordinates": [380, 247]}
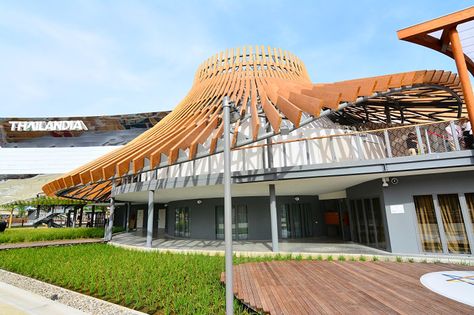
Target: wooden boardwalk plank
{"type": "Point", "coordinates": [322, 287]}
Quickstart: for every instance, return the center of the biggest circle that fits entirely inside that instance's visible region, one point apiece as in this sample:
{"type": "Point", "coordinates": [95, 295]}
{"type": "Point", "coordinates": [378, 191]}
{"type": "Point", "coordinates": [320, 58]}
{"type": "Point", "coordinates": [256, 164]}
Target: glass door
{"type": "Point", "coordinates": [181, 227]}
{"type": "Point", "coordinates": [367, 222]}
{"type": "Point", "coordinates": [296, 220]}
{"type": "Point", "coordinates": [239, 222]}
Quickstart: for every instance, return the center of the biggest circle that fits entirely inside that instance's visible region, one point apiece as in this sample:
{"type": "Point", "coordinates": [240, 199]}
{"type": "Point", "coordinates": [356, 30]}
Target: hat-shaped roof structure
{"type": "Point", "coordinates": [271, 89]}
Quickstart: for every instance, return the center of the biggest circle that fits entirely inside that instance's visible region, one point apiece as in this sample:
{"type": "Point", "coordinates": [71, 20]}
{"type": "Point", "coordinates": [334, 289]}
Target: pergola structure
{"type": "Point", "coordinates": [273, 92]}
{"type": "Point", "coordinates": [452, 35]}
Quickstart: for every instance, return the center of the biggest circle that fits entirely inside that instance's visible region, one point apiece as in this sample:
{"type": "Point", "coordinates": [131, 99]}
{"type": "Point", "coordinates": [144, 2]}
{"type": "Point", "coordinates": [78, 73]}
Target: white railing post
{"type": "Point", "coordinates": [419, 139]}
{"type": "Point", "coordinates": [388, 146]}
{"type": "Point", "coordinates": [455, 135]}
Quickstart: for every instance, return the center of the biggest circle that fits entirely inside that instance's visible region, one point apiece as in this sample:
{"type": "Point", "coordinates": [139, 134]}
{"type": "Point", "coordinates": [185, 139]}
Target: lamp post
{"type": "Point", "coordinates": [228, 119]}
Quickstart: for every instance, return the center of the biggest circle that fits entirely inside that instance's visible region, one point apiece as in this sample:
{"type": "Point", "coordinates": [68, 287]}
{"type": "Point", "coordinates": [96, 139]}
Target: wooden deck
{"type": "Point", "coordinates": [322, 287]}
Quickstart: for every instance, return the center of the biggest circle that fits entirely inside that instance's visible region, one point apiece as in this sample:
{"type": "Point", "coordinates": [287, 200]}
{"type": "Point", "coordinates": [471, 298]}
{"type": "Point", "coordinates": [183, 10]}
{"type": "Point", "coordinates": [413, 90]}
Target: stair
{"type": "Point", "coordinates": [48, 219]}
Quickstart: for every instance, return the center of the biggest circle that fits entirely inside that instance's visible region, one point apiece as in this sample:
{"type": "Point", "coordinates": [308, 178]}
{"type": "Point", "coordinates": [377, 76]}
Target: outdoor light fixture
{"type": "Point", "coordinates": [385, 182]}
{"type": "Point", "coordinates": [296, 198]}
{"type": "Point", "coordinates": [199, 201]}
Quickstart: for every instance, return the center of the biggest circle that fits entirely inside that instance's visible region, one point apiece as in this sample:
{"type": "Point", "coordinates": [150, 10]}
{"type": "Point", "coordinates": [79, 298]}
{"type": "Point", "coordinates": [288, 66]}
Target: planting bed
{"type": "Point", "coordinates": [18, 235]}
{"type": "Point", "coordinates": [151, 282]}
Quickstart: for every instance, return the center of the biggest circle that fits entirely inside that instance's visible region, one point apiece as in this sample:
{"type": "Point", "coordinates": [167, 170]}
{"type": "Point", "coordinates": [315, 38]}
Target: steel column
{"type": "Point", "coordinates": [229, 294]}
{"type": "Point", "coordinates": [466, 86]}
{"type": "Point", "coordinates": [273, 217]}
{"type": "Point", "coordinates": [149, 230]}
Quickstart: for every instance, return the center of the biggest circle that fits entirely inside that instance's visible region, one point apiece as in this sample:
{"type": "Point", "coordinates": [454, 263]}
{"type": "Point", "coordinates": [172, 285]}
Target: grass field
{"type": "Point", "coordinates": [18, 235]}
{"type": "Point", "coordinates": [155, 283]}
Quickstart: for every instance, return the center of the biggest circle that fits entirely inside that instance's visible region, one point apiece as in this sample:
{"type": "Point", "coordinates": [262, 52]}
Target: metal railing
{"type": "Point", "coordinates": [329, 146]}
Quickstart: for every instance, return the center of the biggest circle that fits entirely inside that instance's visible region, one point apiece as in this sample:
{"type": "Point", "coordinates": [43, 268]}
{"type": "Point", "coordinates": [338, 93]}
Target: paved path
{"type": "Point", "coordinates": [323, 287]}
{"type": "Point", "coordinates": [16, 301]}
{"type": "Point", "coordinates": [51, 243]}
{"type": "Point", "coordinates": [138, 239]}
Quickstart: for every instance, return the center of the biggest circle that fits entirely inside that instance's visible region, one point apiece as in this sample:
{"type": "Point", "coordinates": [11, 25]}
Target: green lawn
{"type": "Point", "coordinates": [18, 235]}
{"type": "Point", "coordinates": [156, 283]}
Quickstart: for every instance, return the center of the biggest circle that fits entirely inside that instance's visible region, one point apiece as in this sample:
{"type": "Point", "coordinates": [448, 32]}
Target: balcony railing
{"type": "Point", "coordinates": [327, 146]}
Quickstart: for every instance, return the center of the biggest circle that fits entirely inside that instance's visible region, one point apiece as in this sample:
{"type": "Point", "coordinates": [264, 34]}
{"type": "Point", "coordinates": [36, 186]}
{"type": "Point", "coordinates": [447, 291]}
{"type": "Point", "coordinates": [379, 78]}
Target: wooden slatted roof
{"type": "Point", "coordinates": [270, 87]}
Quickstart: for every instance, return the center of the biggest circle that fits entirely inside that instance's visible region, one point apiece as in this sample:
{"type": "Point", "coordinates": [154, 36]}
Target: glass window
{"type": "Point", "coordinates": [181, 227]}
{"type": "Point", "coordinates": [379, 224]}
{"type": "Point", "coordinates": [427, 224]}
{"type": "Point", "coordinates": [239, 222]}
{"type": "Point", "coordinates": [453, 223]}
{"type": "Point", "coordinates": [470, 206]}
{"type": "Point", "coordinates": [370, 222]}
{"type": "Point", "coordinates": [296, 220]}
{"type": "Point", "coordinates": [361, 220]}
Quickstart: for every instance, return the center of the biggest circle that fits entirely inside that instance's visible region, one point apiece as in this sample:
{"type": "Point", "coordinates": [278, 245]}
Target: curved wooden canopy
{"type": "Point", "coordinates": [271, 88]}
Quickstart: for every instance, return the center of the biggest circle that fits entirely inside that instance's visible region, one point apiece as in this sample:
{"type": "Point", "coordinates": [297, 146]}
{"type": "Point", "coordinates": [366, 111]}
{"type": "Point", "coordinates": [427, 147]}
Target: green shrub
{"type": "Point", "coordinates": [20, 235]}
{"type": "Point", "coordinates": [341, 258]}
{"type": "Point", "coordinates": [362, 258]}
{"type": "Point", "coordinates": [399, 259]}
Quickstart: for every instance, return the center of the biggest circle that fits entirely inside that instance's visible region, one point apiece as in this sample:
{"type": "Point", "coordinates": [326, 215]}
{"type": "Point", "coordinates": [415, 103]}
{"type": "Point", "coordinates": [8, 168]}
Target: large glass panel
{"type": "Point", "coordinates": [470, 206]}
{"type": "Point", "coordinates": [361, 220]}
{"type": "Point", "coordinates": [379, 224]}
{"type": "Point", "coordinates": [296, 220]}
{"type": "Point", "coordinates": [285, 226]}
{"type": "Point", "coordinates": [453, 223]}
{"type": "Point", "coordinates": [370, 222]}
{"type": "Point", "coordinates": [427, 224]}
{"type": "Point", "coordinates": [354, 222]}
{"type": "Point", "coordinates": [181, 227]}
{"type": "Point", "coordinates": [241, 219]}
{"type": "Point", "coordinates": [239, 222]}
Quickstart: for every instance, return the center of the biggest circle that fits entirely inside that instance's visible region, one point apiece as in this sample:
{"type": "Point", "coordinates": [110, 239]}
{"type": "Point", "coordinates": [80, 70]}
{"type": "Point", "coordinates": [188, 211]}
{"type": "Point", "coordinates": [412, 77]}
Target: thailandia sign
{"type": "Point", "coordinates": [42, 125]}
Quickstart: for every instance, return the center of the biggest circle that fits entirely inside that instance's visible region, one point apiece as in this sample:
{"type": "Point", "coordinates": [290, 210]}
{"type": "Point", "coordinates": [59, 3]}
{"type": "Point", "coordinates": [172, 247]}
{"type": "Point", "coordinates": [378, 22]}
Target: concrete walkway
{"type": "Point", "coordinates": [16, 301]}
{"type": "Point", "coordinates": [319, 245]}
{"type": "Point", "coordinates": [311, 247]}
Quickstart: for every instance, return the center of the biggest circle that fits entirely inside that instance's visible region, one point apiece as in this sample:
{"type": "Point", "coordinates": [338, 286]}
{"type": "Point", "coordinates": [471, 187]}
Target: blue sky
{"type": "Point", "coordinates": [65, 58]}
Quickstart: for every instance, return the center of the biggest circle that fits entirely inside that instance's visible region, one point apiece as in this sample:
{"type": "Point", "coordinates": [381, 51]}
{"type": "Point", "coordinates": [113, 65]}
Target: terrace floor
{"type": "Point", "coordinates": [324, 287]}
{"type": "Point", "coordinates": [311, 245]}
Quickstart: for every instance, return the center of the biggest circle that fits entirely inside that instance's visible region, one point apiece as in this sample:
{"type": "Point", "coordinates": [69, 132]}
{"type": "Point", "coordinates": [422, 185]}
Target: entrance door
{"type": "Point", "coordinates": [161, 220]}
{"type": "Point", "coordinates": [240, 223]}
{"type": "Point", "coordinates": [140, 219]}
{"type": "Point", "coordinates": [296, 220]}
{"type": "Point", "coordinates": [367, 222]}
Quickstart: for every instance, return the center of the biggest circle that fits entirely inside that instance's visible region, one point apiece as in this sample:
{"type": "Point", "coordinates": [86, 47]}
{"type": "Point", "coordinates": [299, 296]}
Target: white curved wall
{"type": "Point", "coordinates": [16, 161]}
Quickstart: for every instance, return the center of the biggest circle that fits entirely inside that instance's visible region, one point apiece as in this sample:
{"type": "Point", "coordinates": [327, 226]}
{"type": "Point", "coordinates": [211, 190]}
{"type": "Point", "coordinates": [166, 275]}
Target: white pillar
{"type": "Point", "coordinates": [273, 217]}
{"type": "Point", "coordinates": [149, 230]}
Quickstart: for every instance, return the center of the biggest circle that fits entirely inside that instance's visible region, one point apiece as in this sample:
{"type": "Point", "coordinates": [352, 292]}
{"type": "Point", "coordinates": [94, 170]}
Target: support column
{"type": "Point", "coordinates": [127, 217]}
{"type": "Point", "coordinates": [92, 216]}
{"type": "Point", "coordinates": [149, 230]}
{"type": "Point", "coordinates": [110, 225]}
{"type": "Point", "coordinates": [81, 213]}
{"type": "Point", "coordinates": [11, 219]}
{"type": "Point", "coordinates": [74, 217]}
{"type": "Point", "coordinates": [273, 218]}
{"type": "Point", "coordinates": [466, 86]}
